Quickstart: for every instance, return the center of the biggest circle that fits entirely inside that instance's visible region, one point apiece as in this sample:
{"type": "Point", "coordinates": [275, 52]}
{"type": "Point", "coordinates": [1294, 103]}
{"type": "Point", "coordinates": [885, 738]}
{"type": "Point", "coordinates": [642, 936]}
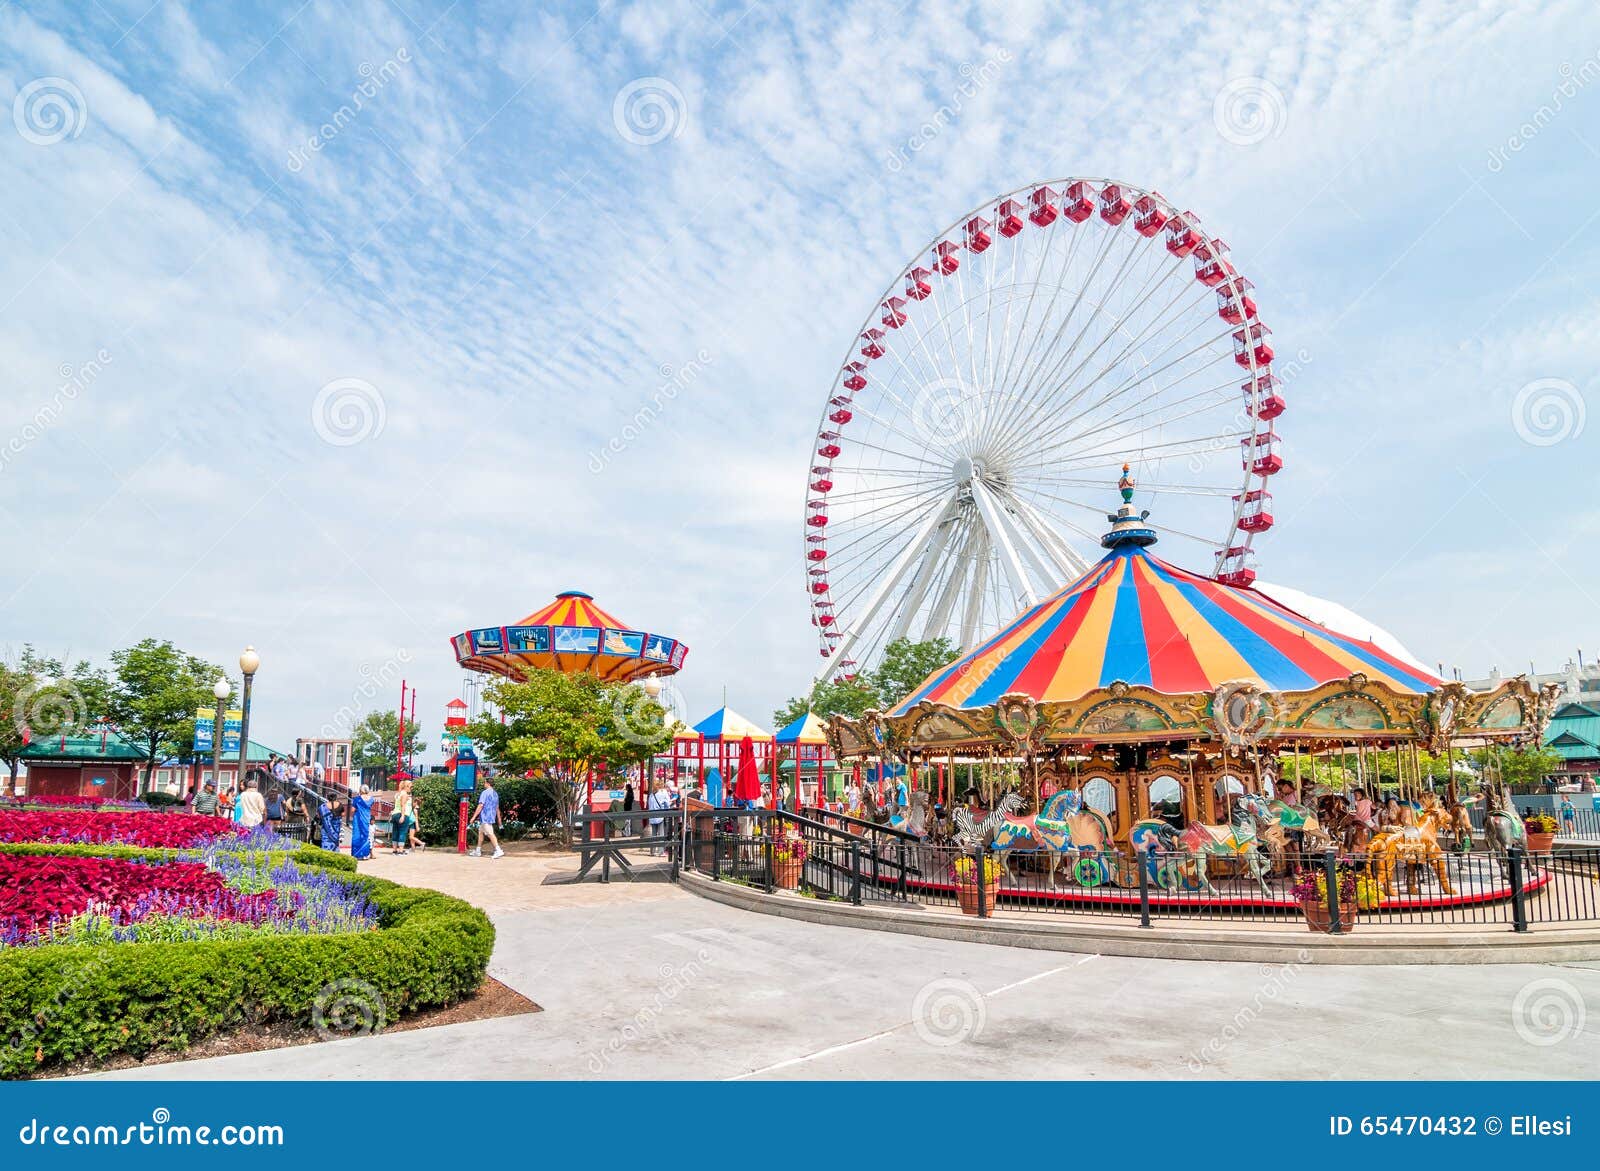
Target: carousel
{"type": "Point", "coordinates": [571, 635]}
{"type": "Point", "coordinates": [1147, 709]}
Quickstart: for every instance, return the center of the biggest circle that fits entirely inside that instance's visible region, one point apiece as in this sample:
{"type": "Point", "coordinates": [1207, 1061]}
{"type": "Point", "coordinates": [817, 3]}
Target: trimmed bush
{"type": "Point", "coordinates": [62, 1003]}
{"type": "Point", "coordinates": [156, 799]}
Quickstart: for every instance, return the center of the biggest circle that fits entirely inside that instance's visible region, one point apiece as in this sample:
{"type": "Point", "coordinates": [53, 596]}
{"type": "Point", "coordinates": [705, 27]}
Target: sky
{"type": "Point", "coordinates": [342, 384]}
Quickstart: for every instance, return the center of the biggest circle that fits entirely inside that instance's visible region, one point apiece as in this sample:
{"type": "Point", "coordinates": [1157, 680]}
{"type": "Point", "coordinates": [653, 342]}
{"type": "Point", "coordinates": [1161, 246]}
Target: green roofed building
{"type": "Point", "coordinates": [93, 764]}
{"type": "Point", "coordinates": [1574, 732]}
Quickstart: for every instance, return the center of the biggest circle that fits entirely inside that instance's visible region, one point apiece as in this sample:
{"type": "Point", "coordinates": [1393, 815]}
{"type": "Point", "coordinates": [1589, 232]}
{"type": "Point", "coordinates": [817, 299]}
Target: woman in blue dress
{"type": "Point", "coordinates": [361, 824]}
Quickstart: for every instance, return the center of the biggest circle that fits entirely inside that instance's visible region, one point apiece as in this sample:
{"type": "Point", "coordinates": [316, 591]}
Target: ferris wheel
{"type": "Point", "coordinates": [970, 442]}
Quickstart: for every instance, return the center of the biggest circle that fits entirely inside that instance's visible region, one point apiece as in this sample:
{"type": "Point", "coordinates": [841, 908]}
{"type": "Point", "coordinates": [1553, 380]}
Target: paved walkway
{"type": "Point", "coordinates": [642, 980]}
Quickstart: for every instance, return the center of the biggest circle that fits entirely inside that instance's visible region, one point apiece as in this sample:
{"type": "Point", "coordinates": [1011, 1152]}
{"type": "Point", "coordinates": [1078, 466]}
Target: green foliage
{"type": "Point", "coordinates": [1524, 769]}
{"type": "Point", "coordinates": [373, 741]}
{"type": "Point", "coordinates": [153, 695]}
{"type": "Point", "coordinates": [158, 800]}
{"type": "Point", "coordinates": [68, 1003]}
{"type": "Point", "coordinates": [534, 803]}
{"type": "Point", "coordinates": [40, 695]}
{"type": "Point", "coordinates": [563, 727]}
{"type": "Point", "coordinates": [905, 664]}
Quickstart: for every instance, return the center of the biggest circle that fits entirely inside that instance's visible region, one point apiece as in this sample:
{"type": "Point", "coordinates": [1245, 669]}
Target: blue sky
{"type": "Point", "coordinates": [495, 270]}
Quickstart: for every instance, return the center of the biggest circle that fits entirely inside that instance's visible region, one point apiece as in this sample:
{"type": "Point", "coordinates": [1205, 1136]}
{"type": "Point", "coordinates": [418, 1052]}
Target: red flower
{"type": "Point", "coordinates": [177, 831]}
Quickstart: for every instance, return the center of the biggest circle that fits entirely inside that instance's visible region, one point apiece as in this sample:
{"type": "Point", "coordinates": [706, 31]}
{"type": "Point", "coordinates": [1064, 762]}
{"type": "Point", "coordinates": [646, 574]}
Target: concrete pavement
{"type": "Point", "coordinates": [643, 980]}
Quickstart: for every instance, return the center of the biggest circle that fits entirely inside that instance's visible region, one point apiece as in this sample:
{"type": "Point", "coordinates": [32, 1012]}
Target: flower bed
{"type": "Point", "coordinates": [168, 830]}
{"type": "Point", "coordinates": [107, 992]}
{"type": "Point", "coordinates": [75, 899]}
{"type": "Point", "coordinates": [71, 801]}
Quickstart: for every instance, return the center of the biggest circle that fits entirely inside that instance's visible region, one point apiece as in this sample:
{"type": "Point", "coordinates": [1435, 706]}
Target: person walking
{"type": "Point", "coordinates": [205, 801]}
{"type": "Point", "coordinates": [400, 819]}
{"type": "Point", "coordinates": [487, 815]}
{"type": "Point", "coordinates": [330, 816]}
{"type": "Point", "coordinates": [250, 808]}
{"type": "Point", "coordinates": [361, 824]}
{"type": "Point", "coordinates": [413, 835]}
{"type": "Point", "coordinates": [275, 811]}
{"type": "Point", "coordinates": [1569, 816]}
{"type": "Point", "coordinates": [279, 770]}
{"type": "Point", "coordinates": [659, 799]}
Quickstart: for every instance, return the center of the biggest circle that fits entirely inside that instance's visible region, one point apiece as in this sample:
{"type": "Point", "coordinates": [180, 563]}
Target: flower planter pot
{"type": "Point", "coordinates": [1540, 843]}
{"type": "Point", "coordinates": [1318, 919]}
{"type": "Point", "coordinates": [967, 896]}
{"type": "Point", "coordinates": [786, 873]}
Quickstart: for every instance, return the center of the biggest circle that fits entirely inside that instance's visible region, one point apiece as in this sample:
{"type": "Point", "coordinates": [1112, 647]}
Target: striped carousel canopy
{"type": "Point", "coordinates": [570, 634]}
{"type": "Point", "coordinates": [1137, 619]}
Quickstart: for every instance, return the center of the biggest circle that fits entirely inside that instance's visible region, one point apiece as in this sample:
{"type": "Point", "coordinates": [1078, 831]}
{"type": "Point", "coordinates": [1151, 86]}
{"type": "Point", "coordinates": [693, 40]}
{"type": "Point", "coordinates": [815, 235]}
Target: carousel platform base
{"type": "Point", "coordinates": [1477, 881]}
{"type": "Point", "coordinates": [1280, 941]}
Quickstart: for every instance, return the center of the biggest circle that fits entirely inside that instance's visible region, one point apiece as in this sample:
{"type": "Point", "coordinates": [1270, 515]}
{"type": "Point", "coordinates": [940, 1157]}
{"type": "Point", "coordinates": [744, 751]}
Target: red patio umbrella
{"type": "Point", "coordinates": [747, 781]}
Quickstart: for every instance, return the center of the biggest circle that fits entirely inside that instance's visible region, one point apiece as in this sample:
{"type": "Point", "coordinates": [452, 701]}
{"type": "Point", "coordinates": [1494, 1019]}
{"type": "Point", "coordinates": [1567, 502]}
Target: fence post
{"type": "Point", "coordinates": [766, 851]}
{"type": "Point", "coordinates": [1144, 886]}
{"type": "Point", "coordinates": [1330, 870]}
{"type": "Point", "coordinates": [983, 884]}
{"type": "Point", "coordinates": [673, 826]}
{"type": "Point", "coordinates": [855, 872]}
{"type": "Point", "coordinates": [716, 861]}
{"type": "Point", "coordinates": [1519, 903]}
{"type": "Point", "coordinates": [900, 860]}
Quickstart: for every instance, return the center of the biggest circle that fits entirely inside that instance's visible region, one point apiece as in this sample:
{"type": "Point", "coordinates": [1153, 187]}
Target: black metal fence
{"type": "Point", "coordinates": [860, 862]}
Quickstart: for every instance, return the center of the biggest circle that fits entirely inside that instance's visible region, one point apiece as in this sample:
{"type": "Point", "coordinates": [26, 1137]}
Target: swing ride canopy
{"type": "Point", "coordinates": [572, 635]}
{"type": "Point", "coordinates": [1138, 650]}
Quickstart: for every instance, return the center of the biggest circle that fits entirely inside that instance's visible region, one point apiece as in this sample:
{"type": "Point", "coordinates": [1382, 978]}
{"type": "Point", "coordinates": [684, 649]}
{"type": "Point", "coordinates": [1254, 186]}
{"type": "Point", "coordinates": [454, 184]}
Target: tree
{"type": "Point", "coordinates": [153, 695]}
{"type": "Point", "coordinates": [569, 727]}
{"type": "Point", "coordinates": [1523, 769]}
{"type": "Point", "coordinates": [374, 741]}
{"type": "Point", "coordinates": [905, 665]}
{"type": "Point", "coordinates": [39, 699]}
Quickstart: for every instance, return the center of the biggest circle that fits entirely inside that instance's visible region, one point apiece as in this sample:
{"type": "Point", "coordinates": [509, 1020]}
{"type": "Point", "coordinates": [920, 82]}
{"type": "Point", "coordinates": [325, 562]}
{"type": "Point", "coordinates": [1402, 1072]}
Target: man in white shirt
{"type": "Point", "coordinates": [317, 772]}
{"type": "Point", "coordinates": [253, 806]}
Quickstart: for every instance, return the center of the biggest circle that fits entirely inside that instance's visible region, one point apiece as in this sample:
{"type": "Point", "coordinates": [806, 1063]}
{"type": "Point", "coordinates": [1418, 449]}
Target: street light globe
{"type": "Point", "coordinates": [249, 660]}
{"type": "Point", "coordinates": [652, 687]}
{"type": "Point", "coordinates": [221, 689]}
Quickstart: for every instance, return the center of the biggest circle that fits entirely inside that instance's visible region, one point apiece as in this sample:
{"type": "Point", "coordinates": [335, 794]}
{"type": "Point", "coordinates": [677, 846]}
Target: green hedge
{"type": "Point", "coordinates": [304, 855]}
{"type": "Point", "coordinates": [61, 1003]}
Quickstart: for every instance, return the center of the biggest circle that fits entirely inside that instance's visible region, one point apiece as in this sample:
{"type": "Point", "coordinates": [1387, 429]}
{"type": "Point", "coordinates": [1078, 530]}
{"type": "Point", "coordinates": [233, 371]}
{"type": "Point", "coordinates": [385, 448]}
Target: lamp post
{"type": "Point", "coordinates": [221, 689]}
{"type": "Point", "coordinates": [249, 661]}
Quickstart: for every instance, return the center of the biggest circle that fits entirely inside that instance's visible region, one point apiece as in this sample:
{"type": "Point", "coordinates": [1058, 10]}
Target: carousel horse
{"type": "Point", "coordinates": [917, 822]}
{"type": "Point", "coordinates": [1415, 844]}
{"type": "Point", "coordinates": [1460, 823]}
{"type": "Point", "coordinates": [1169, 866]}
{"type": "Point", "coordinates": [1065, 826]}
{"type": "Point", "coordinates": [1334, 812]}
{"type": "Point", "coordinates": [1236, 840]}
{"type": "Point", "coordinates": [1502, 824]}
{"type": "Point", "coordinates": [1277, 819]}
{"type": "Point", "coordinates": [997, 831]}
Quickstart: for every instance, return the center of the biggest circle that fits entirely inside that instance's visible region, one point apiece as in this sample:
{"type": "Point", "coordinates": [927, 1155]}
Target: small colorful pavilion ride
{"type": "Point", "coordinates": [805, 739]}
{"type": "Point", "coordinates": [1156, 692]}
{"type": "Point", "coordinates": [573, 635]}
